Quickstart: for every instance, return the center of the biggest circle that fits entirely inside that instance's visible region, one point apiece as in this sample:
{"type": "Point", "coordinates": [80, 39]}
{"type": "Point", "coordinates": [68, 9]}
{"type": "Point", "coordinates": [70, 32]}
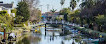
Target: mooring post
{"type": "Point", "coordinates": [62, 28]}
{"type": "Point", "coordinates": [45, 29]}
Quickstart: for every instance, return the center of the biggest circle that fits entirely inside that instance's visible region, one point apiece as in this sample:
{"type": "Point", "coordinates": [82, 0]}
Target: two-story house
{"type": "Point", "coordinates": [8, 7]}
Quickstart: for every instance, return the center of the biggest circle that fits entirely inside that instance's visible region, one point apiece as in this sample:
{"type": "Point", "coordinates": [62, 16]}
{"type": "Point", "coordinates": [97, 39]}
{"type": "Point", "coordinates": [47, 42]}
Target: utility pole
{"type": "Point", "coordinates": [48, 7]}
{"type": "Point", "coordinates": [41, 7]}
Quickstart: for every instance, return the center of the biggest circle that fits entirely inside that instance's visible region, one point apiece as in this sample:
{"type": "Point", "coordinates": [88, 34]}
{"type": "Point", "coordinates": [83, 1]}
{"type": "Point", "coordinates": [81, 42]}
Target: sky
{"type": "Point", "coordinates": [53, 4]}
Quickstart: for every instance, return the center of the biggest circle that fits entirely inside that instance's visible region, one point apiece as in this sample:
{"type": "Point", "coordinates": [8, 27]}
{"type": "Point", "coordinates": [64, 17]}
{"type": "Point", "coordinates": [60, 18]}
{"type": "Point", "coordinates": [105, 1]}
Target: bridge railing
{"type": "Point", "coordinates": [55, 22]}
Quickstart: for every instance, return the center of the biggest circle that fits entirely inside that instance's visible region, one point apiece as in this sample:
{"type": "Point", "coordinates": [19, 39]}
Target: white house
{"type": "Point", "coordinates": [0, 8]}
{"type": "Point", "coordinates": [8, 7]}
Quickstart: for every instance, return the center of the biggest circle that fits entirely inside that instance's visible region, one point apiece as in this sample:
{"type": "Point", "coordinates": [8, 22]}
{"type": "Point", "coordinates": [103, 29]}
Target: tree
{"type": "Point", "coordinates": [64, 11]}
{"type": "Point", "coordinates": [36, 15]}
{"type": "Point", "coordinates": [23, 10]}
{"type": "Point", "coordinates": [91, 9]}
{"type": "Point", "coordinates": [18, 19]}
{"type": "Point", "coordinates": [101, 21]}
{"type": "Point", "coordinates": [3, 13]}
{"type": "Point", "coordinates": [74, 17]}
{"type": "Point", "coordinates": [62, 2]}
{"type": "Point", "coordinates": [73, 4]}
{"type": "Point", "coordinates": [14, 11]}
{"type": "Point", "coordinates": [33, 10]}
{"type": "Point", "coordinates": [31, 3]}
{"type": "Point", "coordinates": [53, 10]}
{"type": "Point", "coordinates": [6, 20]}
{"type": "Point", "coordinates": [88, 3]}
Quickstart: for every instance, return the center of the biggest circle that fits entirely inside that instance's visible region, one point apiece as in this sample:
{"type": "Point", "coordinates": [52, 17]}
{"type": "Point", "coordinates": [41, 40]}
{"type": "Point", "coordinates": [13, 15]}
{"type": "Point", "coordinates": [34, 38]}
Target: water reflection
{"type": "Point", "coordinates": [50, 38]}
{"type": "Point", "coordinates": [25, 40]}
{"type": "Point", "coordinates": [29, 40]}
{"type": "Point", "coordinates": [62, 42]}
{"type": "Point", "coordinates": [11, 43]}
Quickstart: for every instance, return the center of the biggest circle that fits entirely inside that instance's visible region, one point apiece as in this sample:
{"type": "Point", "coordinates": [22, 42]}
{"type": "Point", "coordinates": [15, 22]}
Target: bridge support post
{"type": "Point", "coordinates": [45, 29]}
{"type": "Point", "coordinates": [62, 28]}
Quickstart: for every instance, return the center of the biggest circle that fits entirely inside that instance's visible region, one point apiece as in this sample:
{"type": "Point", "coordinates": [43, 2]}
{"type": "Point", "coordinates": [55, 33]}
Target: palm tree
{"type": "Point", "coordinates": [62, 2]}
{"type": "Point", "coordinates": [73, 4]}
{"type": "Point", "coordinates": [53, 10]}
{"type": "Point", "coordinates": [88, 3]}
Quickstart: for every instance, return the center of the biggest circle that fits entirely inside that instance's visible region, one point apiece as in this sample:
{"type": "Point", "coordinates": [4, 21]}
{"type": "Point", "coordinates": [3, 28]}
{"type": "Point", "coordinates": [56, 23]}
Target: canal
{"type": "Point", "coordinates": [51, 37]}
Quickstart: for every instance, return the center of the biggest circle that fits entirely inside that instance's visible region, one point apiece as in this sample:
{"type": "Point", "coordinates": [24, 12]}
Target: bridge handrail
{"type": "Point", "coordinates": [62, 21]}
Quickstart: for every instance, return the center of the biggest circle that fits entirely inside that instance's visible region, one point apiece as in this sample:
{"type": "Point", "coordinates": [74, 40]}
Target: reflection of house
{"type": "Point", "coordinates": [8, 7]}
{"type": "Point", "coordinates": [50, 15]}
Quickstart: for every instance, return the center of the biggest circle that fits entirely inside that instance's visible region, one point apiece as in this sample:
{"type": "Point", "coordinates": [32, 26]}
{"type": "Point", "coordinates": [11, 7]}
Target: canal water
{"type": "Point", "coordinates": [51, 37]}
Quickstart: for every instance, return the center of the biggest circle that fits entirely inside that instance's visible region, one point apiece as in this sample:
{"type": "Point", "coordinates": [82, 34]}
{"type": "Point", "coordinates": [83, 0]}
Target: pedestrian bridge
{"type": "Point", "coordinates": [57, 22]}
{"type": "Point", "coordinates": [50, 22]}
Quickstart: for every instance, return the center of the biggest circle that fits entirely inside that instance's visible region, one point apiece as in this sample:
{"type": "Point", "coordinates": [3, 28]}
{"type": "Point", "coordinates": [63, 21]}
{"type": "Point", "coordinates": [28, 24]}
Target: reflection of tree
{"type": "Point", "coordinates": [19, 42]}
{"type": "Point", "coordinates": [62, 42]}
{"type": "Point", "coordinates": [67, 38]}
{"type": "Point", "coordinates": [34, 39]}
{"type": "Point", "coordinates": [78, 40]}
{"type": "Point", "coordinates": [24, 41]}
{"type": "Point", "coordinates": [29, 39]}
{"type": "Point", "coordinates": [10, 43]}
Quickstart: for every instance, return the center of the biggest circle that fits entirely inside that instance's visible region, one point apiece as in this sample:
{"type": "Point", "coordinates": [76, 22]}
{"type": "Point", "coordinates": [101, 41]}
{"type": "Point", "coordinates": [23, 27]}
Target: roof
{"type": "Point", "coordinates": [7, 5]}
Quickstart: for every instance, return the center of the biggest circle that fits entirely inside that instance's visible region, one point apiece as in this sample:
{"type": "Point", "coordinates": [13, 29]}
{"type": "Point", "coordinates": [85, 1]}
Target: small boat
{"type": "Point", "coordinates": [32, 29]}
{"type": "Point", "coordinates": [91, 40]}
{"type": "Point", "coordinates": [95, 41]}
